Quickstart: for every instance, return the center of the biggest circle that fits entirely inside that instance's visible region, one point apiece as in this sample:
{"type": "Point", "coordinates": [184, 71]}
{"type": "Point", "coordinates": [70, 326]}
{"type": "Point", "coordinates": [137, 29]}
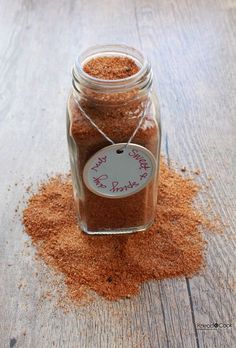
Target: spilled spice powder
{"type": "Point", "coordinates": [115, 266]}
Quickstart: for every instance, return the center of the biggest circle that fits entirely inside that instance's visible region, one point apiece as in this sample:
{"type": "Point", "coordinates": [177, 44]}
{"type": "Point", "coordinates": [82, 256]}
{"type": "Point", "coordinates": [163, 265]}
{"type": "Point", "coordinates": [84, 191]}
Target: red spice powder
{"type": "Point", "coordinates": [115, 266]}
{"type": "Point", "coordinates": [111, 68]}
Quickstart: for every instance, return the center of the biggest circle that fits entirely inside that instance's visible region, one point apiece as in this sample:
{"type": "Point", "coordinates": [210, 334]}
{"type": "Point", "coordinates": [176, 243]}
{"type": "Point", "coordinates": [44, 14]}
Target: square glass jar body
{"type": "Point", "coordinates": [116, 108]}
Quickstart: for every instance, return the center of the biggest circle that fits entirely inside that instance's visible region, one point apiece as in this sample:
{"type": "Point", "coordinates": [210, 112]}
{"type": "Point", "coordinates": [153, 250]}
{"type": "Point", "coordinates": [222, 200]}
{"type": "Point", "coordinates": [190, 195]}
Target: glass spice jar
{"type": "Point", "coordinates": [114, 136]}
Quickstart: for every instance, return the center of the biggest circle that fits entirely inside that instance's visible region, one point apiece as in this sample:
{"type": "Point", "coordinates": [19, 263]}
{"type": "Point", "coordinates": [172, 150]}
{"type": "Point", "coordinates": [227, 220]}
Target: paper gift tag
{"type": "Point", "coordinates": [117, 171]}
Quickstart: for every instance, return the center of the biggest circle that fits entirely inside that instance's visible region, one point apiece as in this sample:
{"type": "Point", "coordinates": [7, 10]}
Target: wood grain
{"type": "Point", "coordinates": [192, 47]}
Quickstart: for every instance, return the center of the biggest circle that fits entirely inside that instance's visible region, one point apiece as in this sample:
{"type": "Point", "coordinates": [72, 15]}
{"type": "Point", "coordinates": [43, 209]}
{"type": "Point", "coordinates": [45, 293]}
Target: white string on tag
{"type": "Point", "coordinates": [104, 134]}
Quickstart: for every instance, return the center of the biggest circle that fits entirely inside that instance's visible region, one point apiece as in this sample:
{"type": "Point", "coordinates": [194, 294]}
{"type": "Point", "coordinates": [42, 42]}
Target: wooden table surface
{"type": "Point", "coordinates": [192, 47]}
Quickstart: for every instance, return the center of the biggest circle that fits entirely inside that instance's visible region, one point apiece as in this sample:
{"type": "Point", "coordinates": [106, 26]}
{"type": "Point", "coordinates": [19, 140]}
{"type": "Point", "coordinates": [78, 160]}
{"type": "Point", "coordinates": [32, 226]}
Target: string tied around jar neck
{"type": "Point", "coordinates": [106, 136]}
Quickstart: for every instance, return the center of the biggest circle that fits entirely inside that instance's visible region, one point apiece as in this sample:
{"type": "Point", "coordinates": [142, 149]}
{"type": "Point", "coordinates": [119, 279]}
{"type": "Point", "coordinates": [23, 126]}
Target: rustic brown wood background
{"type": "Point", "coordinates": [192, 47]}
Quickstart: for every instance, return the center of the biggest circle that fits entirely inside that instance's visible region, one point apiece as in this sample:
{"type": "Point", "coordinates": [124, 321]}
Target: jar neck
{"type": "Point", "coordinates": [117, 91]}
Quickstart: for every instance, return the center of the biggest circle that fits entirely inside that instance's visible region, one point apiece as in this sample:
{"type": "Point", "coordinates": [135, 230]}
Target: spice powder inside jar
{"type": "Point", "coordinates": [114, 92]}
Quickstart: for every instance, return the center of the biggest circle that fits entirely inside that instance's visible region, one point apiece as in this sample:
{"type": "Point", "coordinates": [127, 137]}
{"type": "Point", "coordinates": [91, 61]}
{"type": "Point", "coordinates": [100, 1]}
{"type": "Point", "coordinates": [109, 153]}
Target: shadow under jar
{"type": "Point", "coordinates": [112, 93]}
